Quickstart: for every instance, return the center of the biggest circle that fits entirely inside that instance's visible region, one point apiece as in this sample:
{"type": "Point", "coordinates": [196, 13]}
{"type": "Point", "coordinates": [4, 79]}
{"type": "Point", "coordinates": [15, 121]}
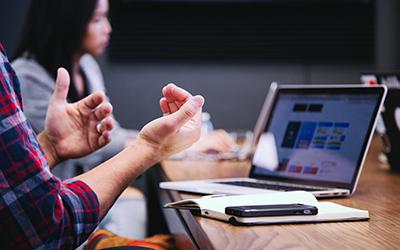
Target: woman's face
{"type": "Point", "coordinates": [98, 30]}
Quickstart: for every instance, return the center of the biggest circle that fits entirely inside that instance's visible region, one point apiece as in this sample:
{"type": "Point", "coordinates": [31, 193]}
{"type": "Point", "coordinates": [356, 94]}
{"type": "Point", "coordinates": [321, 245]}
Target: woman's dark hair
{"type": "Point", "coordinates": [54, 32]}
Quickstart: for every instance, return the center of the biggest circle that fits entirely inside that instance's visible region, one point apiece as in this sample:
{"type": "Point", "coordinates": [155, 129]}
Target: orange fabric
{"type": "Point", "coordinates": [103, 239]}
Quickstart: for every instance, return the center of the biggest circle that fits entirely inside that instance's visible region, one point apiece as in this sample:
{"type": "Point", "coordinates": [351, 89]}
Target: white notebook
{"type": "Point", "coordinates": [213, 206]}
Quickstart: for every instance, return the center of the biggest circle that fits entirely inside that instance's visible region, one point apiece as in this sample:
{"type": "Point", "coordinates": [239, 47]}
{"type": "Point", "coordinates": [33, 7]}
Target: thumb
{"type": "Point", "coordinates": [187, 111]}
{"type": "Point", "coordinates": [62, 85]}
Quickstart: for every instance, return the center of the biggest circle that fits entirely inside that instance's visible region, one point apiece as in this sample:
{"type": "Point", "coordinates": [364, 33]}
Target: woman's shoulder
{"type": "Point", "coordinates": [93, 73]}
{"type": "Point", "coordinates": [32, 75]}
{"type": "Point", "coordinates": [88, 62]}
{"type": "Point", "coordinates": [29, 68]}
{"type": "Point", "coordinates": [25, 64]}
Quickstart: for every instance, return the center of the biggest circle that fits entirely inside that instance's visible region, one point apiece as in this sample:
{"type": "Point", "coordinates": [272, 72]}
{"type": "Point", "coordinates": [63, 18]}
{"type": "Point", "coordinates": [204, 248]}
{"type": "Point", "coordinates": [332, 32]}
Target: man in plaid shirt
{"type": "Point", "coordinates": [37, 210]}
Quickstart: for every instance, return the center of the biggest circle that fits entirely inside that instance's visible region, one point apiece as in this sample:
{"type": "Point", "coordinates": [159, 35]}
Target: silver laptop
{"type": "Point", "coordinates": [309, 137]}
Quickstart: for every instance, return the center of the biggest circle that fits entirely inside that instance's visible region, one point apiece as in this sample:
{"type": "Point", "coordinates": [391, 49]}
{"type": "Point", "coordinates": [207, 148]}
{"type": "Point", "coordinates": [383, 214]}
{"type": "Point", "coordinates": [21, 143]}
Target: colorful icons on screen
{"type": "Point", "coordinates": [318, 135]}
{"type": "Point", "coordinates": [328, 136]}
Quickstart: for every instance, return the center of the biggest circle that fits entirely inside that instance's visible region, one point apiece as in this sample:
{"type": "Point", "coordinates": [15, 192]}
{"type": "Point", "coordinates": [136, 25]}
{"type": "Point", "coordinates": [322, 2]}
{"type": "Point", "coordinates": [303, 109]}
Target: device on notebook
{"type": "Point", "coordinates": [311, 137]}
{"type": "Point", "coordinates": [389, 125]}
{"type": "Point", "coordinates": [272, 210]}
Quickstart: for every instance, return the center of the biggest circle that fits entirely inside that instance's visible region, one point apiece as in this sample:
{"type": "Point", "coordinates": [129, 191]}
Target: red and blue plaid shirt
{"type": "Point", "coordinates": [37, 210]}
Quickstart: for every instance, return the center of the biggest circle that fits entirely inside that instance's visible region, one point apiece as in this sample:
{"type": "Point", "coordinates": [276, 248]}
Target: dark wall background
{"type": "Point", "coordinates": [234, 87]}
{"type": "Point", "coordinates": [11, 22]}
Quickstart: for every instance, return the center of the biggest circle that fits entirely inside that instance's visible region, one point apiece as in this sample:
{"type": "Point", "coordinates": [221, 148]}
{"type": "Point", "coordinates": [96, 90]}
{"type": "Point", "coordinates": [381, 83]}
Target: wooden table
{"type": "Point", "coordinates": [378, 191]}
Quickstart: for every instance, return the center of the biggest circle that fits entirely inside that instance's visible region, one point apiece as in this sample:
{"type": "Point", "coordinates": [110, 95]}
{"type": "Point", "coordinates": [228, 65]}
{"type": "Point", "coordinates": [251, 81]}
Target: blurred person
{"type": "Point", "coordinates": [37, 209]}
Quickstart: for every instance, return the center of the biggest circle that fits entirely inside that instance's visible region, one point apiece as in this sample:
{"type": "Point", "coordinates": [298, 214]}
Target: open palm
{"type": "Point", "coordinates": [79, 128]}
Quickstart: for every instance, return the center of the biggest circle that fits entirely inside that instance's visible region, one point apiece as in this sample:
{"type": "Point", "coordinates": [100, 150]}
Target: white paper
{"type": "Point", "coordinates": [266, 155]}
{"type": "Point", "coordinates": [397, 117]}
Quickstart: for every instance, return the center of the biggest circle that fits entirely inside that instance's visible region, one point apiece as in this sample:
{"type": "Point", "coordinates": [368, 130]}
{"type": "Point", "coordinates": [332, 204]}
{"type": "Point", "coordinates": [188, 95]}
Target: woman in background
{"type": "Point", "coordinates": [69, 33]}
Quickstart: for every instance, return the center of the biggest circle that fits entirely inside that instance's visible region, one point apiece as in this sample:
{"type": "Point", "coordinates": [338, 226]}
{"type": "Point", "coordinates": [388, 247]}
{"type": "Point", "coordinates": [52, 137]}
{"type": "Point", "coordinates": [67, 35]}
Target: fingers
{"type": "Point", "coordinates": [104, 139]}
{"type": "Point", "coordinates": [105, 125]}
{"type": "Point", "coordinates": [164, 106]}
{"type": "Point", "coordinates": [174, 93]}
{"type": "Point", "coordinates": [174, 98]}
{"type": "Point", "coordinates": [103, 111]}
{"type": "Point", "coordinates": [92, 101]}
{"type": "Point", "coordinates": [62, 85]}
{"type": "Point", "coordinates": [104, 129]}
{"type": "Point", "coordinates": [168, 92]}
{"type": "Point", "coordinates": [173, 107]}
{"type": "Point", "coordinates": [187, 111]}
{"type": "Point", "coordinates": [169, 107]}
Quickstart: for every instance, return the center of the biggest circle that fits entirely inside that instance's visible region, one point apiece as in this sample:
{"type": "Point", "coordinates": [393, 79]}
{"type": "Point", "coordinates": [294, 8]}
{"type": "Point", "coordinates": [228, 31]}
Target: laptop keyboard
{"type": "Point", "coordinates": [270, 186]}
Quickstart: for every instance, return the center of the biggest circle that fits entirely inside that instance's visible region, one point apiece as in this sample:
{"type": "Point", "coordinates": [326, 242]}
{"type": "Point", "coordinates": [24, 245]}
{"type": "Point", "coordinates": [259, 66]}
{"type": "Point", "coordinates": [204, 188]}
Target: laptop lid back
{"type": "Point", "coordinates": [321, 133]}
{"type": "Point", "coordinates": [389, 126]}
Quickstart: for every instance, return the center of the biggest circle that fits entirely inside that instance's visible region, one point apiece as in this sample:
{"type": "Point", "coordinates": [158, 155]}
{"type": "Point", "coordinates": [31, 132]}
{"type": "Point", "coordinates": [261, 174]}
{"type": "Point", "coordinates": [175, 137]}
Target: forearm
{"type": "Point", "coordinates": [109, 179]}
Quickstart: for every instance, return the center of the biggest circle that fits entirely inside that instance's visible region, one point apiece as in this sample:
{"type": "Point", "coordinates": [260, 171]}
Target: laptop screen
{"type": "Point", "coordinates": [320, 135]}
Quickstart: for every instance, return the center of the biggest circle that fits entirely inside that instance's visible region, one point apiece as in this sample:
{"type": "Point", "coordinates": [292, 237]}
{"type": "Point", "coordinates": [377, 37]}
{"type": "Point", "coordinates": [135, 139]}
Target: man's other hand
{"type": "Point", "coordinates": [180, 126]}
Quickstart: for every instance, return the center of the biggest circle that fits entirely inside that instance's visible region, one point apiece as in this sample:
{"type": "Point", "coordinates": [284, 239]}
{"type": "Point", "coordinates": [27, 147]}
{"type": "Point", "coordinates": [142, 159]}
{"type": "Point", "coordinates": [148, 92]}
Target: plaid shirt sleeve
{"type": "Point", "coordinates": [37, 210]}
